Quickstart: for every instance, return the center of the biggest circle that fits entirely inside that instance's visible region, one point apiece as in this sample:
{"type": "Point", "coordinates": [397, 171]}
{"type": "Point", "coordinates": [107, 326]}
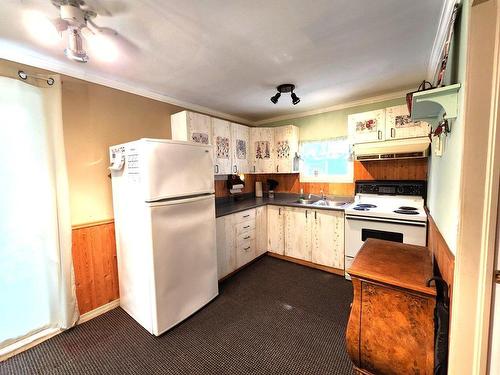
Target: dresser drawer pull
{"type": "Point", "coordinates": [247, 248]}
{"type": "Point", "coordinates": [246, 215]}
{"type": "Point", "coordinates": [246, 226]}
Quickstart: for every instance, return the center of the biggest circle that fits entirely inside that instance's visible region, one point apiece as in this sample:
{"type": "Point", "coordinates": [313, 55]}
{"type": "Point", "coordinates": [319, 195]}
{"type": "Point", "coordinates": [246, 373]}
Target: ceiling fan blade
{"type": "Point", "coordinates": [104, 8]}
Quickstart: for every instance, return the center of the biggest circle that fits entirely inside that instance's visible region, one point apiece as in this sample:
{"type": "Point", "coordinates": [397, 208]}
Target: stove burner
{"type": "Point", "coordinates": [366, 205]}
{"type": "Point", "coordinates": [406, 212]}
{"type": "Point", "coordinates": [407, 208]}
{"type": "Point", "coordinates": [357, 208]}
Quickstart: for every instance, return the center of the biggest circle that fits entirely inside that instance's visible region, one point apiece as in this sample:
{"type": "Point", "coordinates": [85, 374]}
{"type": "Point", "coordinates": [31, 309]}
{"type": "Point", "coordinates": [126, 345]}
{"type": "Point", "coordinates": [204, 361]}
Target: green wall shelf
{"type": "Point", "coordinates": [432, 103]}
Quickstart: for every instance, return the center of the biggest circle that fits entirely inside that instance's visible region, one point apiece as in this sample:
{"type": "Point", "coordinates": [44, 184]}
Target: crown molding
{"type": "Point", "coordinates": [12, 53]}
{"type": "Point", "coordinates": [337, 107]}
{"type": "Point", "coordinates": [440, 39]}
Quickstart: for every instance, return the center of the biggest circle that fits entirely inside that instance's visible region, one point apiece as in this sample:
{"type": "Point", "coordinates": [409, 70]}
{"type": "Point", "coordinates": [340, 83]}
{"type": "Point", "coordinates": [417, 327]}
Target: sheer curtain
{"type": "Point", "coordinates": [37, 288]}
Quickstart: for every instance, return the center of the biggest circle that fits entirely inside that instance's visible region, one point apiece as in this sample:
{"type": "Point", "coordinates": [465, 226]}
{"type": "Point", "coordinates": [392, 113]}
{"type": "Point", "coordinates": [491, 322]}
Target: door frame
{"type": "Point", "coordinates": [479, 192]}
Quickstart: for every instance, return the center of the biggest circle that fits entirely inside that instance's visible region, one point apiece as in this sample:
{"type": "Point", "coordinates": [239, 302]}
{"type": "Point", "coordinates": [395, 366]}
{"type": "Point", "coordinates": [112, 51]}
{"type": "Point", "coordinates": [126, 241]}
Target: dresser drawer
{"type": "Point", "coordinates": [245, 252]}
{"type": "Point", "coordinates": [245, 227]}
{"type": "Point", "coordinates": [240, 217]}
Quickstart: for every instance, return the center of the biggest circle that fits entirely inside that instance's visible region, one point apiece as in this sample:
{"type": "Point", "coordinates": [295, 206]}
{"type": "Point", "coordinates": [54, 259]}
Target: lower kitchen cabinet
{"type": "Point", "coordinates": [298, 225]}
{"type": "Point", "coordinates": [241, 237]}
{"type": "Point", "coordinates": [260, 230]}
{"type": "Point", "coordinates": [327, 236]}
{"type": "Point", "coordinates": [315, 236]}
{"type": "Point", "coordinates": [276, 229]}
{"type": "Point", "coordinates": [225, 240]}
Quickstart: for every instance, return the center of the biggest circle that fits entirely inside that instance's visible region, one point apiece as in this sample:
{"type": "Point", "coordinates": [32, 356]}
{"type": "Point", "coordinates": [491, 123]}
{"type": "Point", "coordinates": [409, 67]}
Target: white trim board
{"type": "Point", "coordinates": [98, 311]}
{"type": "Point", "coordinates": [440, 40]}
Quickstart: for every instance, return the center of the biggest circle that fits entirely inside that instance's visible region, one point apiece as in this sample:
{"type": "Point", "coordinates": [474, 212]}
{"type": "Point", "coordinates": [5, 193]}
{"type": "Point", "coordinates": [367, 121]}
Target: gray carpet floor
{"type": "Point", "coordinates": [273, 317]}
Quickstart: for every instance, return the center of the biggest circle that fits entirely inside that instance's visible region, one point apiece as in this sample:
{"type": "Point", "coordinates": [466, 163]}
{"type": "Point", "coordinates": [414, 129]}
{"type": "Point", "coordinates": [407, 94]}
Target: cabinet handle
{"type": "Point", "coordinates": [306, 214]}
{"type": "Point", "coordinates": [246, 238]}
{"type": "Point", "coordinates": [254, 169]}
{"type": "Point", "coordinates": [216, 168]}
{"type": "Point", "coordinates": [246, 226]}
{"type": "Point", "coordinates": [393, 132]}
{"type": "Point", "coordinates": [380, 134]}
{"type": "Point", "coordinates": [279, 211]}
{"type": "Point", "coordinates": [315, 215]}
{"type": "Point", "coordinates": [277, 168]}
{"type": "Point", "coordinates": [247, 248]}
{"type": "Point", "coordinates": [235, 169]}
{"type": "Point", "coordinates": [246, 215]}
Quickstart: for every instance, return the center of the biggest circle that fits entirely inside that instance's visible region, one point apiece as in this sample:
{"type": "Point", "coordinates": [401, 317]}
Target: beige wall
{"type": "Point", "coordinates": [96, 117]}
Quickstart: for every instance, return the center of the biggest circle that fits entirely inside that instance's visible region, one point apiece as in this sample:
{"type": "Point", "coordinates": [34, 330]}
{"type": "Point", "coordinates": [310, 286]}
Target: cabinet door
{"type": "Point", "coordinates": [298, 222]}
{"type": "Point", "coordinates": [276, 236]}
{"type": "Point", "coordinates": [261, 150]}
{"type": "Point", "coordinates": [328, 238]}
{"type": "Point", "coordinates": [199, 128]}
{"type": "Point", "coordinates": [240, 138]}
{"type": "Point", "coordinates": [221, 131]}
{"type": "Point", "coordinates": [367, 126]}
{"type": "Point", "coordinates": [260, 230]}
{"type": "Point", "coordinates": [398, 124]}
{"type": "Point", "coordinates": [226, 246]}
{"type": "Point", "coordinates": [286, 144]}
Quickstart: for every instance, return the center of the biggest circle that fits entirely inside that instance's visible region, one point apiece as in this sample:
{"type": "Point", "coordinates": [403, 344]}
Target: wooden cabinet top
{"type": "Point", "coordinates": [401, 265]}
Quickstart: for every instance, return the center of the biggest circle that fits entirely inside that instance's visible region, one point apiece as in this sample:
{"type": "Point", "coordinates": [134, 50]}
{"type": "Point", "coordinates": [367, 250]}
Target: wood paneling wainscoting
{"type": "Point", "coordinates": [443, 256]}
{"type": "Point", "coordinates": [401, 169]}
{"type": "Point", "coordinates": [94, 261]}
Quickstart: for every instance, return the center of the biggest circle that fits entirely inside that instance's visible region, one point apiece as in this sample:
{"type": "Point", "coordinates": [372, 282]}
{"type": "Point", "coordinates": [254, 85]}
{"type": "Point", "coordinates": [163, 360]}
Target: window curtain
{"type": "Point", "coordinates": [37, 286]}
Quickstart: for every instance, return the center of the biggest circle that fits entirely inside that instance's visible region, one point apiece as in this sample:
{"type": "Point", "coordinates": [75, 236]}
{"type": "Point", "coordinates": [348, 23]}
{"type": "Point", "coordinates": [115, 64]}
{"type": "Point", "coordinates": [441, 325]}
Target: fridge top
{"type": "Point", "coordinates": [159, 140]}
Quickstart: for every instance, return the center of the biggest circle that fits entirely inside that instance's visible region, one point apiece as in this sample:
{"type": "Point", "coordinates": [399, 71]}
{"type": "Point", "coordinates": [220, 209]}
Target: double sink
{"type": "Point", "coordinates": [323, 202]}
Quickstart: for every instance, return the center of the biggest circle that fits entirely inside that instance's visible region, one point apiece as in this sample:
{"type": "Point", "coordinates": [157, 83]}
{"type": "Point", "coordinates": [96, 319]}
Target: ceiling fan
{"type": "Point", "coordinates": [76, 17]}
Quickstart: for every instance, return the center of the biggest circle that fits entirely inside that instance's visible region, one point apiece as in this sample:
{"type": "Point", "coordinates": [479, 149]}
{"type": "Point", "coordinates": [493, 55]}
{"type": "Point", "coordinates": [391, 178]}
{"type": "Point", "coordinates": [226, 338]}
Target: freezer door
{"type": "Point", "coordinates": [184, 259]}
{"type": "Point", "coordinates": [176, 169]}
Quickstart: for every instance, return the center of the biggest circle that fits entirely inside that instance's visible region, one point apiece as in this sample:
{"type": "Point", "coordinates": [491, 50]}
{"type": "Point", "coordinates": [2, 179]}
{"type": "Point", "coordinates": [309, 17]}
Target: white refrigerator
{"type": "Point", "coordinates": [164, 206]}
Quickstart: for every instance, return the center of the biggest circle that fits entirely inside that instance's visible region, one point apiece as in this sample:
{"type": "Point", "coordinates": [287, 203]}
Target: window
{"type": "Point", "coordinates": [329, 160]}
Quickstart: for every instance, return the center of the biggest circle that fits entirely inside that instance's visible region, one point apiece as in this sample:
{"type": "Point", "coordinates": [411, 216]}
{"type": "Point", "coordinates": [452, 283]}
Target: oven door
{"type": "Point", "coordinates": [359, 229]}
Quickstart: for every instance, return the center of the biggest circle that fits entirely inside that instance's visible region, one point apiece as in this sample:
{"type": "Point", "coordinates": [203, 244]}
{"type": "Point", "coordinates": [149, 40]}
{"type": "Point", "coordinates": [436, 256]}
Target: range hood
{"type": "Point", "coordinates": [393, 149]}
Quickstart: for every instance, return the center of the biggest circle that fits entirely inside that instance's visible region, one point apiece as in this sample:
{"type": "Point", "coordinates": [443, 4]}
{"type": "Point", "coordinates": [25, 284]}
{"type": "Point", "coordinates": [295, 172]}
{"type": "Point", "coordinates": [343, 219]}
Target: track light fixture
{"type": "Point", "coordinates": [286, 87]}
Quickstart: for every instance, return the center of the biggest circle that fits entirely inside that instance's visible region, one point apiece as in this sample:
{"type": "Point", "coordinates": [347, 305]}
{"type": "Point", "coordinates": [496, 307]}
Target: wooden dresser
{"type": "Point", "coordinates": [391, 326]}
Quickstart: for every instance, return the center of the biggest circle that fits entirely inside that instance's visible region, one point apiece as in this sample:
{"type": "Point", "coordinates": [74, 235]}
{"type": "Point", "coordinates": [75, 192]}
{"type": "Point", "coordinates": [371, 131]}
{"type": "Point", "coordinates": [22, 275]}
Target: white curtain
{"type": "Point", "coordinates": [37, 288]}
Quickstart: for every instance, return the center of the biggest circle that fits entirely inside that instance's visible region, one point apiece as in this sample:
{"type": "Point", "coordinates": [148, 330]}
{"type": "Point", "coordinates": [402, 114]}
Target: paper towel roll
{"type": "Point", "coordinates": [258, 189]}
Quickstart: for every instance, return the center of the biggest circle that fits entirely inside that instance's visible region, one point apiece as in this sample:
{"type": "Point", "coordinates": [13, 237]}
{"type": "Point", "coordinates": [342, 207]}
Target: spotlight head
{"type": "Point", "coordinates": [275, 98]}
{"type": "Point", "coordinates": [295, 99]}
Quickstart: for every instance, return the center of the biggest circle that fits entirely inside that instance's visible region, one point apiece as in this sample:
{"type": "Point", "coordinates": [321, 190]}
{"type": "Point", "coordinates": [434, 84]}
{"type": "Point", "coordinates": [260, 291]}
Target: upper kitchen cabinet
{"type": "Point", "coordinates": [191, 126]}
{"type": "Point", "coordinates": [240, 139]}
{"type": "Point", "coordinates": [221, 135]}
{"type": "Point", "coordinates": [398, 124]}
{"type": "Point", "coordinates": [261, 150]}
{"type": "Point", "coordinates": [286, 145]}
{"type": "Point", "coordinates": [367, 126]}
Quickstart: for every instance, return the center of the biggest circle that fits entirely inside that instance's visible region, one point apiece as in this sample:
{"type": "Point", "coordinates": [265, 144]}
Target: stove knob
{"type": "Point", "coordinates": [401, 190]}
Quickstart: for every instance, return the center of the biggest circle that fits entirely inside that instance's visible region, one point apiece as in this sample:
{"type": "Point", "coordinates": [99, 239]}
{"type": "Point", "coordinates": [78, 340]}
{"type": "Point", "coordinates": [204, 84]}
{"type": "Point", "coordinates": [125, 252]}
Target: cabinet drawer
{"type": "Point", "coordinates": [245, 252]}
{"type": "Point", "coordinates": [244, 216]}
{"type": "Point", "coordinates": [245, 227]}
{"type": "Point", "coordinates": [245, 237]}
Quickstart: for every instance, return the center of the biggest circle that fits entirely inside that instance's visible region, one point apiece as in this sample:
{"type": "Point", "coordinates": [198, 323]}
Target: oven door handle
{"type": "Point", "coordinates": [414, 224]}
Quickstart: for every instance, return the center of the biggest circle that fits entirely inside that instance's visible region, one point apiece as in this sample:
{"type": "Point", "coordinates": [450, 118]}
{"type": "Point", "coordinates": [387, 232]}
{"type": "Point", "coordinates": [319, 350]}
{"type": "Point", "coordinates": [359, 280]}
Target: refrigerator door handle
{"type": "Point", "coordinates": [181, 200]}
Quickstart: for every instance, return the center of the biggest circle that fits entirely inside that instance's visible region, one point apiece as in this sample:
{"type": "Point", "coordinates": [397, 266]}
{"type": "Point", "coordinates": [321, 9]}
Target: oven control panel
{"type": "Point", "coordinates": [412, 188]}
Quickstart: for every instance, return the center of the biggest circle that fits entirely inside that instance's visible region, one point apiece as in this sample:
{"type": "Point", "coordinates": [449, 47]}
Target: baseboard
{"type": "Point", "coordinates": [27, 343]}
{"type": "Point", "coordinates": [99, 311]}
{"type": "Point", "coordinates": [336, 271]}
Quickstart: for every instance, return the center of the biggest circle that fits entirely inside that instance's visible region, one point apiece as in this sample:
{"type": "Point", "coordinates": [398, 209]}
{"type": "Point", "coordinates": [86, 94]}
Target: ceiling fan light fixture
{"type": "Point", "coordinates": [75, 50]}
